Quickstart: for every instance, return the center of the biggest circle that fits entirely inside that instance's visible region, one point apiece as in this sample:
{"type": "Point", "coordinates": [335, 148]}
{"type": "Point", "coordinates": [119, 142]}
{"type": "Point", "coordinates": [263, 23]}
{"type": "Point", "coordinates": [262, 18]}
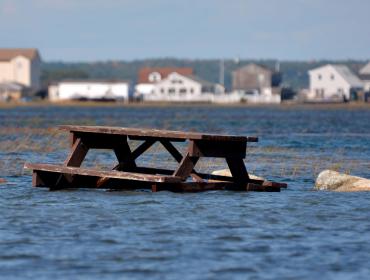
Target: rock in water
{"type": "Point", "coordinates": [226, 172]}
{"type": "Point", "coordinates": [2, 181]}
{"type": "Point", "coordinates": [334, 181]}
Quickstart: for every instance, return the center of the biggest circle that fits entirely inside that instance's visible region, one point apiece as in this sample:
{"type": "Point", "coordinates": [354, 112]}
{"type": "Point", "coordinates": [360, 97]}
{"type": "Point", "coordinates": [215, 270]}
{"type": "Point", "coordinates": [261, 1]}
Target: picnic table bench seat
{"type": "Point", "coordinates": [128, 175]}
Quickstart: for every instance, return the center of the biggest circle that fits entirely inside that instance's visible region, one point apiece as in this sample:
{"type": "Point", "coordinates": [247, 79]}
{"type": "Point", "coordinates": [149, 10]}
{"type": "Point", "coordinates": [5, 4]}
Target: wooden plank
{"type": "Point", "coordinates": [172, 150]}
{"type": "Point", "coordinates": [261, 188]}
{"type": "Point", "coordinates": [124, 156]}
{"type": "Point", "coordinates": [186, 167]}
{"type": "Point", "coordinates": [101, 140]}
{"type": "Point", "coordinates": [178, 157]}
{"type": "Point", "coordinates": [238, 170]}
{"type": "Point", "coordinates": [137, 132]}
{"type": "Point", "coordinates": [77, 154]}
{"type": "Point", "coordinates": [142, 148]}
{"type": "Point", "coordinates": [222, 149]}
{"type": "Point", "coordinates": [100, 173]}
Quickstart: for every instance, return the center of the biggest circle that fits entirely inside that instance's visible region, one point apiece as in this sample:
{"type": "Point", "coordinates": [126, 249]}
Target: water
{"type": "Point", "coordinates": [91, 234]}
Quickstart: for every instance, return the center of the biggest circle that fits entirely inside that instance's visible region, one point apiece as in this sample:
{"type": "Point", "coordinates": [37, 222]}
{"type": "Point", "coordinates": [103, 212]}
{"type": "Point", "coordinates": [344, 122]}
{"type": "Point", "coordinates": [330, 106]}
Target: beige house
{"type": "Point", "coordinates": [257, 84]}
{"type": "Point", "coordinates": [21, 66]}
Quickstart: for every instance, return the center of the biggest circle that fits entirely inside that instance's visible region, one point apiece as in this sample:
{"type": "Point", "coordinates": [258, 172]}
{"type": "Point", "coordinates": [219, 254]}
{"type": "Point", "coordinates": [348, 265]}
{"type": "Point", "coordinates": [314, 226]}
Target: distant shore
{"type": "Point", "coordinates": [284, 105]}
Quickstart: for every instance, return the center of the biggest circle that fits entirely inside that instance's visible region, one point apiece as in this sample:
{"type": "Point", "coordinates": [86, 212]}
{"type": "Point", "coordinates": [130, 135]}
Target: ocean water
{"type": "Point", "coordinates": [94, 234]}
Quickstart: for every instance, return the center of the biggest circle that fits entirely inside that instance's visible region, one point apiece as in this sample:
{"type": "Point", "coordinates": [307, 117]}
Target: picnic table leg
{"type": "Point", "coordinates": [186, 166]}
{"type": "Point", "coordinates": [77, 154]}
{"type": "Point", "coordinates": [238, 171]}
{"type": "Point", "coordinates": [74, 159]}
{"type": "Point", "coordinates": [124, 156]}
{"type": "Point", "coordinates": [178, 157]}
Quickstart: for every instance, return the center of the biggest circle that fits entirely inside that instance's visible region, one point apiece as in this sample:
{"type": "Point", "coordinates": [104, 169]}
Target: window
{"type": "Point", "coordinates": [191, 90]}
{"type": "Point", "coordinates": [171, 90]}
{"type": "Point", "coordinates": [332, 76]}
{"type": "Point", "coordinates": [154, 77]}
{"type": "Point", "coordinates": [319, 76]}
{"type": "Point", "coordinates": [183, 90]}
{"type": "Point", "coordinates": [162, 90]}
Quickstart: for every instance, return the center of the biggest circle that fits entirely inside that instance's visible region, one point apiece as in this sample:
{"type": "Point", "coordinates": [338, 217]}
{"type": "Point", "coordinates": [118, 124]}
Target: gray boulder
{"type": "Point", "coordinates": [334, 181]}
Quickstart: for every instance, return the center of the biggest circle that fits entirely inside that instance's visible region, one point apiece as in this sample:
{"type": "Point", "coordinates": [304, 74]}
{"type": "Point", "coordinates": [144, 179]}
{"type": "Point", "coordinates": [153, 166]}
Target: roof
{"type": "Point", "coordinates": [345, 73]}
{"type": "Point", "coordinates": [9, 54]}
{"type": "Point", "coordinates": [93, 81]}
{"type": "Point", "coordinates": [255, 65]}
{"type": "Point", "coordinates": [143, 76]}
{"type": "Point", "coordinates": [11, 87]}
{"type": "Point", "coordinates": [364, 77]}
{"type": "Point", "coordinates": [365, 70]}
{"type": "Point", "coordinates": [199, 80]}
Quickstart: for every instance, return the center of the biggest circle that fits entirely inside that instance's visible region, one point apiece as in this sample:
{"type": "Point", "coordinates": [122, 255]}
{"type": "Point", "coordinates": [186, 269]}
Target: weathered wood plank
{"type": "Point", "coordinates": [77, 153]}
{"type": "Point", "coordinates": [140, 132]}
{"type": "Point", "coordinates": [238, 170]}
{"type": "Point", "coordinates": [186, 167]}
{"type": "Point", "coordinates": [100, 173]}
{"type": "Point", "coordinates": [207, 148]}
{"type": "Point", "coordinates": [178, 157]}
{"type": "Point", "coordinates": [142, 148]}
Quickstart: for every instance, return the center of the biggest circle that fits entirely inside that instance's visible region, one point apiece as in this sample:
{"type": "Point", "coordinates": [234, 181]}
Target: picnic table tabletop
{"type": "Point", "coordinates": [143, 132]}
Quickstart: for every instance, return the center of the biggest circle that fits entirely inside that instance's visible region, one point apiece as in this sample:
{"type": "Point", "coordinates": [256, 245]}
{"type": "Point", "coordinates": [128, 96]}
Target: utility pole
{"type": "Point", "coordinates": [222, 72]}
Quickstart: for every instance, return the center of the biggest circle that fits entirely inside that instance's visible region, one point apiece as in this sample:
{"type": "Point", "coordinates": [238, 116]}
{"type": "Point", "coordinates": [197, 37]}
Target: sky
{"type": "Point", "coordinates": [96, 30]}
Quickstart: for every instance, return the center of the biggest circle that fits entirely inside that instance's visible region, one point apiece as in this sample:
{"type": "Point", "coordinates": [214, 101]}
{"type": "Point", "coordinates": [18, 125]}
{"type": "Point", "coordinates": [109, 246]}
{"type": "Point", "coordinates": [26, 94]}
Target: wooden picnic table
{"type": "Point", "coordinates": [128, 175]}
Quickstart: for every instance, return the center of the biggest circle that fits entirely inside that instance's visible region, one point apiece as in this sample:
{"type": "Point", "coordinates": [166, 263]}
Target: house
{"type": "Point", "coordinates": [98, 90]}
{"type": "Point", "coordinates": [364, 75]}
{"type": "Point", "coordinates": [257, 84]}
{"type": "Point", "coordinates": [11, 92]}
{"type": "Point", "coordinates": [183, 88]}
{"type": "Point", "coordinates": [21, 66]}
{"type": "Point", "coordinates": [149, 76]}
{"type": "Point", "coordinates": [333, 83]}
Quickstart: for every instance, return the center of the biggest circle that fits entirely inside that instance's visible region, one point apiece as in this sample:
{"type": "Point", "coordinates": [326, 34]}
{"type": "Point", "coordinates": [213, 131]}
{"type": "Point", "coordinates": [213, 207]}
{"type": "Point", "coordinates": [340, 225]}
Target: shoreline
{"type": "Point", "coordinates": [284, 105]}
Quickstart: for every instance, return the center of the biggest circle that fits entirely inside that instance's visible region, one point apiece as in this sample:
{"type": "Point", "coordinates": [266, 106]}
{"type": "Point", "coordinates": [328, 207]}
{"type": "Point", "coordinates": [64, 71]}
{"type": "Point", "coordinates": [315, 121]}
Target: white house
{"type": "Point", "coordinates": [149, 76]}
{"type": "Point", "coordinates": [181, 88]}
{"type": "Point", "coordinates": [364, 75]}
{"type": "Point", "coordinates": [89, 90]}
{"type": "Point", "coordinates": [21, 66]}
{"type": "Point", "coordinates": [333, 83]}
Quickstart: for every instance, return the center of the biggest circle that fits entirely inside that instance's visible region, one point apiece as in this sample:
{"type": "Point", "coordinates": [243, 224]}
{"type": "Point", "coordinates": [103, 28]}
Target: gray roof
{"type": "Point", "coordinates": [199, 80]}
{"type": "Point", "coordinates": [347, 74]}
{"type": "Point", "coordinates": [11, 87]}
{"type": "Point", "coordinates": [365, 70]}
{"type": "Point", "coordinates": [365, 77]}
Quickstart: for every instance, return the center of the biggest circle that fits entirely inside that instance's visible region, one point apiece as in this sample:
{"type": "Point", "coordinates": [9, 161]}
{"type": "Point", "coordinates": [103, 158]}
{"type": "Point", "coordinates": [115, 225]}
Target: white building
{"type": "Point", "coordinates": [21, 66]}
{"type": "Point", "coordinates": [267, 96]}
{"type": "Point", "coordinates": [333, 83]}
{"type": "Point", "coordinates": [364, 75]}
{"type": "Point", "coordinates": [181, 88]}
{"type": "Point", "coordinates": [149, 76]}
{"type": "Point", "coordinates": [89, 90]}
